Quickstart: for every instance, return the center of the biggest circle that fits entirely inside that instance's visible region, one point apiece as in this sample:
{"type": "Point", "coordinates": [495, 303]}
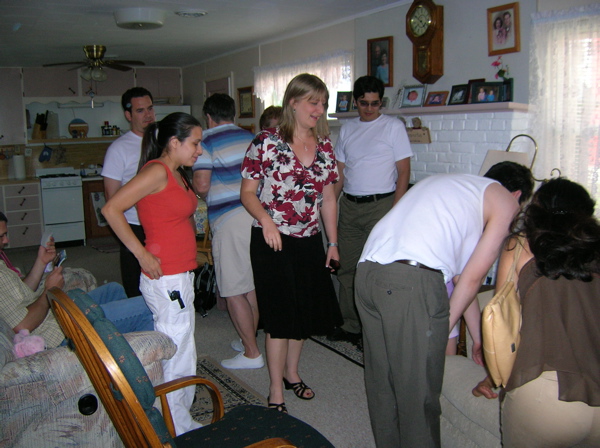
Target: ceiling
{"type": "Point", "coordinates": [37, 32]}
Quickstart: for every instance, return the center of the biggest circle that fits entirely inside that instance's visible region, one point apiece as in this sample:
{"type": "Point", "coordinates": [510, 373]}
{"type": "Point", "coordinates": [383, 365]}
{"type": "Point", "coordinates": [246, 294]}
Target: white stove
{"type": "Point", "coordinates": [62, 203]}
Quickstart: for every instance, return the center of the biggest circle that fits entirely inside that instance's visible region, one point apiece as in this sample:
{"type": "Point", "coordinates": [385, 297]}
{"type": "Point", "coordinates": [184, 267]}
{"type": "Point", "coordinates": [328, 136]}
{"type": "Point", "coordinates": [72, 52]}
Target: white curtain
{"type": "Point", "coordinates": [334, 69]}
{"type": "Point", "coordinates": [565, 94]}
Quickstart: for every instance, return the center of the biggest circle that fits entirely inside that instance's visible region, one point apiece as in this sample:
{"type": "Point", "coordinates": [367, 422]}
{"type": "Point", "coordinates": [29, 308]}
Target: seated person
{"type": "Point", "coordinates": [271, 117]}
{"type": "Point", "coordinates": [553, 394]}
{"type": "Point", "coordinates": [23, 306]}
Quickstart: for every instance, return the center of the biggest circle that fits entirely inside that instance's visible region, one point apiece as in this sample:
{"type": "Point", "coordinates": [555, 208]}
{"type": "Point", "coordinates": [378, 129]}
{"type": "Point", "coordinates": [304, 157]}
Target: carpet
{"type": "Point", "coordinates": [107, 248]}
{"type": "Point", "coordinates": [345, 349]}
{"type": "Point", "coordinates": [234, 391]}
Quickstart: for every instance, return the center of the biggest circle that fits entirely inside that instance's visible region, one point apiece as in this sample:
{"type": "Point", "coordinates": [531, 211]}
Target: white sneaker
{"type": "Point", "coordinates": [241, 362]}
{"type": "Point", "coordinates": [237, 345]}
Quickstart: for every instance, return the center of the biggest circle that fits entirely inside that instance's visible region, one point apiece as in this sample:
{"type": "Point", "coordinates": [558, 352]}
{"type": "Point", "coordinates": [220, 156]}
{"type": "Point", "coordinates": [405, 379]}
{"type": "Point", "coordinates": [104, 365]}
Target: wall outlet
{"type": "Point", "coordinates": [28, 152]}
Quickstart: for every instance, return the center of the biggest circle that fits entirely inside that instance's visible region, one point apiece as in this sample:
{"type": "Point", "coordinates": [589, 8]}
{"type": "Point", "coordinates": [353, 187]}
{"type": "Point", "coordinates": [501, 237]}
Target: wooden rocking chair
{"type": "Point", "coordinates": [128, 395]}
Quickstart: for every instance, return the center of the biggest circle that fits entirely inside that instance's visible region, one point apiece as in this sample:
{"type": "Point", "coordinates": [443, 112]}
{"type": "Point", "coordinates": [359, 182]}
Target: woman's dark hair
{"type": "Point", "coordinates": [562, 232]}
{"type": "Point", "coordinates": [158, 134]}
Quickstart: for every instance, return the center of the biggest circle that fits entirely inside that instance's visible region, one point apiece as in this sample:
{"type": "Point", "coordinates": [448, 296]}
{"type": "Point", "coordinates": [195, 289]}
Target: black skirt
{"type": "Point", "coordinates": [296, 298]}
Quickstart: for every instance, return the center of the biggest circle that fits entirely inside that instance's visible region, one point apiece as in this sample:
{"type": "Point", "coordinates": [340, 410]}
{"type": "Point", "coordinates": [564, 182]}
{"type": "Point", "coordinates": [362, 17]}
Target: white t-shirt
{"type": "Point", "coordinates": [438, 223]}
{"type": "Point", "coordinates": [121, 163]}
{"type": "Point", "coordinates": [369, 151]}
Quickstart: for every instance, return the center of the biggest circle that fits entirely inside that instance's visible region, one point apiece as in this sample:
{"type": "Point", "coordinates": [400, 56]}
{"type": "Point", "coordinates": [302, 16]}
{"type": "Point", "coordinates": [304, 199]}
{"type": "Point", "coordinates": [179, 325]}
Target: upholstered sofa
{"type": "Point", "coordinates": [41, 395]}
{"type": "Point", "coordinates": [468, 421]}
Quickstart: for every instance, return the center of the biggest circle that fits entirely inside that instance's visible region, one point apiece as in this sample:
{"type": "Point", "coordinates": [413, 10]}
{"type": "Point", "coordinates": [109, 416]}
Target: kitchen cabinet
{"type": "Point", "coordinates": [12, 113]}
{"type": "Point", "coordinates": [116, 83]}
{"type": "Point", "coordinates": [92, 229]}
{"type": "Point", "coordinates": [161, 82]}
{"type": "Point", "coordinates": [22, 205]}
{"type": "Point", "coordinates": [50, 81]}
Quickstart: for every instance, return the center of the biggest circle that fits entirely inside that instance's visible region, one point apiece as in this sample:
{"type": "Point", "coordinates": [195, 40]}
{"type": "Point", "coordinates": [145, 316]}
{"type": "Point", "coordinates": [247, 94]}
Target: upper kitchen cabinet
{"type": "Point", "coordinates": [12, 114]}
{"type": "Point", "coordinates": [161, 82]}
{"type": "Point", "coordinates": [50, 81]}
{"type": "Point", "coordinates": [116, 84]}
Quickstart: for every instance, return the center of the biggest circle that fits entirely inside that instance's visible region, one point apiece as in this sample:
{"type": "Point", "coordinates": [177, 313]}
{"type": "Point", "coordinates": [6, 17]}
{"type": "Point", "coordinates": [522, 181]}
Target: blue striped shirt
{"type": "Point", "coordinates": [223, 151]}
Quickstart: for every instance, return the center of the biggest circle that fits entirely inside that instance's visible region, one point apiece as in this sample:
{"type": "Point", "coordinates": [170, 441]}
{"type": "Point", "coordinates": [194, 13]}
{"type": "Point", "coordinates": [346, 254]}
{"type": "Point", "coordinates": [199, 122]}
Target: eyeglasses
{"type": "Point", "coordinates": [373, 104]}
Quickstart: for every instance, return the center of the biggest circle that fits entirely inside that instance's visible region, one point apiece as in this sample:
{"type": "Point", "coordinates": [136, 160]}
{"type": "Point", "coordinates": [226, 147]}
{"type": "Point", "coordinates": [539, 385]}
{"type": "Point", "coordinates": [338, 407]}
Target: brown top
{"type": "Point", "coordinates": [560, 332]}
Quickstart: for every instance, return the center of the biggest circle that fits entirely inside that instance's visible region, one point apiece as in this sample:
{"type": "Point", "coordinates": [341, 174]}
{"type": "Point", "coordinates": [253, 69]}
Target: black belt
{"type": "Point", "coordinates": [368, 198]}
{"type": "Point", "coordinates": [416, 264]}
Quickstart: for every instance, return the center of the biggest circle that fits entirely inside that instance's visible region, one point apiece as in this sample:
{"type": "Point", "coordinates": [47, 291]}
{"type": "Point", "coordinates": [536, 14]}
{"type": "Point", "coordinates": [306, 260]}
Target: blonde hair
{"type": "Point", "coordinates": [303, 86]}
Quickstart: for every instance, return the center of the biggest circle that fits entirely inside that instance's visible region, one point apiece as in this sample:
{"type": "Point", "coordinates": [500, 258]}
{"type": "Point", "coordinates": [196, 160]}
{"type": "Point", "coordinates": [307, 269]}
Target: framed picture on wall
{"type": "Point", "coordinates": [503, 29]}
{"type": "Point", "coordinates": [379, 59]}
{"type": "Point", "coordinates": [249, 128]}
{"type": "Point", "coordinates": [246, 102]}
{"type": "Point", "coordinates": [412, 96]}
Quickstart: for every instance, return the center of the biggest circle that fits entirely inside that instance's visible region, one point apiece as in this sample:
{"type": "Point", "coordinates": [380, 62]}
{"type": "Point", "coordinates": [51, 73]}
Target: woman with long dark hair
{"type": "Point", "coordinates": [166, 202]}
{"type": "Point", "coordinates": [553, 394]}
{"type": "Point", "coordinates": [295, 168]}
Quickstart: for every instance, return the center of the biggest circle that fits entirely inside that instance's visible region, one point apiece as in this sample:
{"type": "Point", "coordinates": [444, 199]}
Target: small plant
{"type": "Point", "coordinates": [502, 70]}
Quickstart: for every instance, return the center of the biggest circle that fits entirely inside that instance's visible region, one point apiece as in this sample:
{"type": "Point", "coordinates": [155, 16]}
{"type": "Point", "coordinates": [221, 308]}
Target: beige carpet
{"type": "Point", "coordinates": [233, 390]}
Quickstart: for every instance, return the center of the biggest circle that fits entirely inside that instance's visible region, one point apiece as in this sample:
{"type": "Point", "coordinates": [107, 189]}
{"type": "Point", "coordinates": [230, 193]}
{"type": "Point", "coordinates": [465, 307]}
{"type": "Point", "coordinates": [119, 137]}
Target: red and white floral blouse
{"type": "Point", "coordinates": [290, 192]}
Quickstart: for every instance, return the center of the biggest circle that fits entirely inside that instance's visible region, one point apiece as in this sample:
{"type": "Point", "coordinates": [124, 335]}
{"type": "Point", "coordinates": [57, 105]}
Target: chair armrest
{"type": "Point", "coordinates": [162, 390]}
{"type": "Point", "coordinates": [151, 346]}
{"type": "Point", "coordinates": [276, 442]}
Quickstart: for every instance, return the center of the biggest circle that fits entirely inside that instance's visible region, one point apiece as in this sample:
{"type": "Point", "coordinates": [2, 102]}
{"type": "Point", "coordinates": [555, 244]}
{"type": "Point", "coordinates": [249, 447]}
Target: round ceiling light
{"type": "Point", "coordinates": [140, 18]}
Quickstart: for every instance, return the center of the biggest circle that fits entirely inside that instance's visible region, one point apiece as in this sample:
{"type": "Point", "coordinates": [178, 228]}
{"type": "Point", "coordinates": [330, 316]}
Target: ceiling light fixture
{"type": "Point", "coordinates": [140, 18]}
{"type": "Point", "coordinates": [191, 13]}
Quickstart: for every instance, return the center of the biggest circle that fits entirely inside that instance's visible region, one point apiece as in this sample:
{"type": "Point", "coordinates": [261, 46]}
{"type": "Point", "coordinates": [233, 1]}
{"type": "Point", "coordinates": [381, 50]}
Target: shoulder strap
{"type": "Point", "coordinates": [518, 250]}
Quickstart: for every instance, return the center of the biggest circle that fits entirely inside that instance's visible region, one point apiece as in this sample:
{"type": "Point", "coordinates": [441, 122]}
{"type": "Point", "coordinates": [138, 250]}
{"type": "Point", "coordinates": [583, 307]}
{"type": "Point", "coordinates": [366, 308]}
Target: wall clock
{"type": "Point", "coordinates": [425, 28]}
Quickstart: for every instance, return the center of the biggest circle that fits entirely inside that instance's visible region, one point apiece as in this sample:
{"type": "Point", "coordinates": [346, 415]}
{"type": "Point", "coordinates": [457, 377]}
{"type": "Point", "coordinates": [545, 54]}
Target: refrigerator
{"type": "Point", "coordinates": [162, 110]}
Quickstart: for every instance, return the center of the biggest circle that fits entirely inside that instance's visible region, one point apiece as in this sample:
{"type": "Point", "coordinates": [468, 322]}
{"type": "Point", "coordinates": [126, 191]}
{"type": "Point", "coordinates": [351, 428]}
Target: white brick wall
{"type": "Point", "coordinates": [459, 142]}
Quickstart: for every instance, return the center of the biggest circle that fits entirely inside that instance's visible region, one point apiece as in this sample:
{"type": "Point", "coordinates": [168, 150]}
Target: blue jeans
{"type": "Point", "coordinates": [128, 314]}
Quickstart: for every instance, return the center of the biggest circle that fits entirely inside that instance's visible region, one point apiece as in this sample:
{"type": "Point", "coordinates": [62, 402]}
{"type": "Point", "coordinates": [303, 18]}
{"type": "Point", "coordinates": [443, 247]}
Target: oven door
{"type": "Point", "coordinates": [62, 205]}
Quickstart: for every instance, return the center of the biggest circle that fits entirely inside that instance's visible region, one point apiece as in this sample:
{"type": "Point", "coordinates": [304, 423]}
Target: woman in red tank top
{"type": "Point", "coordinates": [166, 202]}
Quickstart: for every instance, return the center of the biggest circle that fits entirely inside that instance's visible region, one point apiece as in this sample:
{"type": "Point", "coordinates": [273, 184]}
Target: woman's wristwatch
{"type": "Point", "coordinates": [332, 244]}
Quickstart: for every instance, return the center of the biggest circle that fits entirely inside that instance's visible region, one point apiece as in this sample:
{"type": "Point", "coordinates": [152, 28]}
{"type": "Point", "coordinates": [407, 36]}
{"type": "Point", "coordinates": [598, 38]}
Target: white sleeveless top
{"type": "Point", "coordinates": [438, 223]}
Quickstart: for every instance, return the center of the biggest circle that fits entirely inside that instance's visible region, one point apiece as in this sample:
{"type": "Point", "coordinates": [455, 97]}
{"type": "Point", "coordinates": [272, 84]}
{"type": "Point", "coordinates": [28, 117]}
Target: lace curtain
{"type": "Point", "coordinates": [334, 69]}
{"type": "Point", "coordinates": [565, 94]}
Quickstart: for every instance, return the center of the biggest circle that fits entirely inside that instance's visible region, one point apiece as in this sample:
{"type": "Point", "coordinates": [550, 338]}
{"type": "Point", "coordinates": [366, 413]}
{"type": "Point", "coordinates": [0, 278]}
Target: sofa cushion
{"type": "Point", "coordinates": [476, 417]}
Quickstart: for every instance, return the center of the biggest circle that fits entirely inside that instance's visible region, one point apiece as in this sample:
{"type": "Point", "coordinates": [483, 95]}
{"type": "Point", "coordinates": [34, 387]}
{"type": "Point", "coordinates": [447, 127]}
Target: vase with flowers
{"type": "Point", "coordinates": [502, 72]}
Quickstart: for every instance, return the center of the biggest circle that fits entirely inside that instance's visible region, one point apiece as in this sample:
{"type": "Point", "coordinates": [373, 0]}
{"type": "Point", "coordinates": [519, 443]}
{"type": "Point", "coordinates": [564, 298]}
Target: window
{"type": "Point", "coordinates": [565, 94]}
{"type": "Point", "coordinates": [334, 69]}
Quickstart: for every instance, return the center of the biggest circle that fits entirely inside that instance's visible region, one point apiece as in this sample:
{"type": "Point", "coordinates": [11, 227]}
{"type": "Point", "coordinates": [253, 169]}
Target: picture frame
{"type": "Point", "coordinates": [436, 98]}
{"type": "Point", "coordinates": [408, 96]}
{"type": "Point", "coordinates": [459, 94]}
{"type": "Point", "coordinates": [470, 84]}
{"type": "Point", "coordinates": [249, 128]}
{"type": "Point", "coordinates": [343, 102]}
{"type": "Point", "coordinates": [380, 59]}
{"type": "Point", "coordinates": [504, 32]}
{"type": "Point", "coordinates": [246, 102]}
{"type": "Point", "coordinates": [487, 92]}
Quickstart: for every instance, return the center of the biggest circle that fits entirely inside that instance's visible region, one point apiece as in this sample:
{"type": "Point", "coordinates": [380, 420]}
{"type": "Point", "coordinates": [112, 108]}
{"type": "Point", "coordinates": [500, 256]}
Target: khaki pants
{"type": "Point", "coordinates": [533, 416]}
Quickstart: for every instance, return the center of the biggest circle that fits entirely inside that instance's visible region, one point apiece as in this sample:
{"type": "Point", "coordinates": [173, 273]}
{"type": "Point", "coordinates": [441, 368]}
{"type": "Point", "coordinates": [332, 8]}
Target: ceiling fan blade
{"type": "Point", "coordinates": [120, 67]}
{"type": "Point", "coordinates": [122, 61]}
{"type": "Point", "coordinates": [63, 63]}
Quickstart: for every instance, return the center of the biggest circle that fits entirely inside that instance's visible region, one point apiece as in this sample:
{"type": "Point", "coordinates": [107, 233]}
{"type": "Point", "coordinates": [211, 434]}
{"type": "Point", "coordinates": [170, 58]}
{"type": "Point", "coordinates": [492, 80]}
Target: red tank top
{"type": "Point", "coordinates": [166, 219]}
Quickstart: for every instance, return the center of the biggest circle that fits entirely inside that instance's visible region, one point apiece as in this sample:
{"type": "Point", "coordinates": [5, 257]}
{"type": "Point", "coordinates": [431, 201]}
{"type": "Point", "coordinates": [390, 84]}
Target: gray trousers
{"type": "Point", "coordinates": [355, 223]}
{"type": "Point", "coordinates": [404, 312]}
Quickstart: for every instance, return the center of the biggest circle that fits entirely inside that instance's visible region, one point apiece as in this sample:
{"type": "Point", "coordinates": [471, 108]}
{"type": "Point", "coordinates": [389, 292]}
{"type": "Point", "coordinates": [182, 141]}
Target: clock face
{"type": "Point", "coordinates": [420, 20]}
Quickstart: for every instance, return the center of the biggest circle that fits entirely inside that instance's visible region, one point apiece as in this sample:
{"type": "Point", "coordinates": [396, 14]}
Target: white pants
{"type": "Point", "coordinates": [179, 324]}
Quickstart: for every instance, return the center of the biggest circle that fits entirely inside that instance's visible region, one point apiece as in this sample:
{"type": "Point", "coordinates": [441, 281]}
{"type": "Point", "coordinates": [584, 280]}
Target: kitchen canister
{"type": "Point", "coordinates": [18, 161]}
{"type": "Point", "coordinates": [52, 131]}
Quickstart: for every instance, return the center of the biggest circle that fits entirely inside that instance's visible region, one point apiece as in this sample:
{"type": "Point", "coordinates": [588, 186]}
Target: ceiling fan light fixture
{"type": "Point", "coordinates": [140, 18]}
{"type": "Point", "coordinates": [86, 73]}
{"type": "Point", "coordinates": [98, 74]}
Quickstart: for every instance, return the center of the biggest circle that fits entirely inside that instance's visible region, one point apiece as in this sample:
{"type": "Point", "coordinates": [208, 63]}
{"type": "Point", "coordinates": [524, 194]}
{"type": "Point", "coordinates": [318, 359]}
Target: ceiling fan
{"type": "Point", "coordinates": [94, 63]}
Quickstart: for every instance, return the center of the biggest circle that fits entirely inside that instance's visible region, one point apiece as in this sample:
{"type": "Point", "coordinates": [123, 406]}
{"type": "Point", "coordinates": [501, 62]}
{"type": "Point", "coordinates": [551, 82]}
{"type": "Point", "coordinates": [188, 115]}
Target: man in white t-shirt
{"type": "Point", "coordinates": [447, 226]}
{"type": "Point", "coordinates": [373, 156]}
{"type": "Point", "coordinates": [120, 165]}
